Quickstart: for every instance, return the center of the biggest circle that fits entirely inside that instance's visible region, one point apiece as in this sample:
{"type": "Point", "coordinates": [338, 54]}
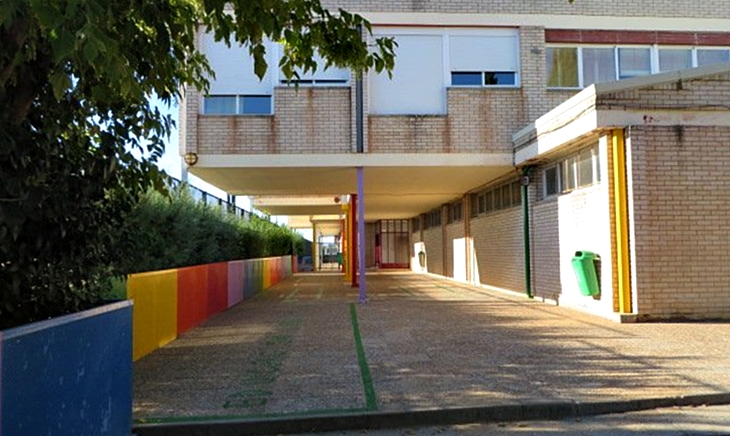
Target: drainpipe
{"type": "Point", "coordinates": [525, 182]}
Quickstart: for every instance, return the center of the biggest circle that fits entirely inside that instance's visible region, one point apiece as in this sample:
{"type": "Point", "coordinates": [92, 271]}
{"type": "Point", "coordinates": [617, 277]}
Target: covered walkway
{"type": "Point", "coordinates": [307, 347]}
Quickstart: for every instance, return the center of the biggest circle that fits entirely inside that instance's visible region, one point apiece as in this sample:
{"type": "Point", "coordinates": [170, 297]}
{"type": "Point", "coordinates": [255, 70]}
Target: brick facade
{"type": "Point", "coordinates": [680, 212]}
{"type": "Point", "coordinates": [498, 249]}
{"type": "Point", "coordinates": [307, 120]}
{"type": "Point", "coordinates": [626, 8]}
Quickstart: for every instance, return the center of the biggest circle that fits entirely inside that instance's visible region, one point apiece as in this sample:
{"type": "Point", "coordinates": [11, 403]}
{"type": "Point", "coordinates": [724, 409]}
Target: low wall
{"type": "Point", "coordinates": [168, 303]}
{"type": "Point", "coordinates": [71, 375]}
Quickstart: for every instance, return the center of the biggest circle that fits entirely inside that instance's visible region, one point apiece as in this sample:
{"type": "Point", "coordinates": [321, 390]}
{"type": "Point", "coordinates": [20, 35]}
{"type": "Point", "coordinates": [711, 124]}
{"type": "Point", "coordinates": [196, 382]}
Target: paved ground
{"type": "Point", "coordinates": [676, 421]}
{"type": "Point", "coordinates": [303, 348]}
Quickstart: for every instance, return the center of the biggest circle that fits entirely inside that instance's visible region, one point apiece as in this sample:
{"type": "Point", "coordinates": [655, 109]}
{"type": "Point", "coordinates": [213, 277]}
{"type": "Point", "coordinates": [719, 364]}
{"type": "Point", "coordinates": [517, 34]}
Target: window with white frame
{"type": "Point", "coordinates": [237, 105]}
{"type": "Point", "coordinates": [488, 59]}
{"type": "Point", "coordinates": [235, 89]}
{"type": "Point", "coordinates": [576, 171]}
{"type": "Point", "coordinates": [582, 66]}
{"type": "Point", "coordinates": [503, 196]}
{"type": "Point", "coordinates": [429, 60]}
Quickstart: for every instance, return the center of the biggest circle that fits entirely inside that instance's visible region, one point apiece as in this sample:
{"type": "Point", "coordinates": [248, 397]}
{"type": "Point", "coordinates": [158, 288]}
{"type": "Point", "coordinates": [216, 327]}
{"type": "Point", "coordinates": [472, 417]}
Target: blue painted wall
{"type": "Point", "coordinates": [68, 376]}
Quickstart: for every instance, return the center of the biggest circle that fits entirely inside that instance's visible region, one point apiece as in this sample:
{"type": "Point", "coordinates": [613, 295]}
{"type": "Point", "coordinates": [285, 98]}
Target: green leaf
{"type": "Point", "coordinates": [60, 82]}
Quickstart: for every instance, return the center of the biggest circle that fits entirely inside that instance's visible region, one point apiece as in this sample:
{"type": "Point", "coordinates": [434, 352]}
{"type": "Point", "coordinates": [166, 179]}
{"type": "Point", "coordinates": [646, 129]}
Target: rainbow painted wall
{"type": "Point", "coordinates": [168, 303]}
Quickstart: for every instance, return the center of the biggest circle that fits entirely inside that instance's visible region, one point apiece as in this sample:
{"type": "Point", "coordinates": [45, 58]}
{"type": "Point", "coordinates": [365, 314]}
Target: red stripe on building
{"type": "Point", "coordinates": [636, 37]}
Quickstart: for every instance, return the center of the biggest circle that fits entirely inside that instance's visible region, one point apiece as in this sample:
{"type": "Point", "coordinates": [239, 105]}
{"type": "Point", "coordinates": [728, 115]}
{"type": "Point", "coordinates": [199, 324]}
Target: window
{"type": "Point", "coordinates": [433, 219]}
{"type": "Point", "coordinates": [712, 56]}
{"type": "Point", "coordinates": [577, 67]}
{"type": "Point", "coordinates": [220, 105]}
{"type": "Point", "coordinates": [416, 224]}
{"type": "Point", "coordinates": [562, 67]}
{"type": "Point", "coordinates": [599, 65]}
{"type": "Point", "coordinates": [577, 171]}
{"type": "Point", "coordinates": [237, 105]}
{"type": "Point", "coordinates": [551, 181]}
{"type": "Point", "coordinates": [671, 59]}
{"type": "Point", "coordinates": [633, 62]}
{"type": "Point", "coordinates": [500, 197]}
{"type": "Point", "coordinates": [455, 212]}
{"type": "Point", "coordinates": [488, 58]}
{"type": "Point", "coordinates": [486, 78]}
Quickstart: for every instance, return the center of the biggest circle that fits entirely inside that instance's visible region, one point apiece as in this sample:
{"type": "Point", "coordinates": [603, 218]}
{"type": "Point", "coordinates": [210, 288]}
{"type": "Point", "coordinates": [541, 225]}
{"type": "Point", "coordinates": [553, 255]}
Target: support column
{"type": "Point", "coordinates": [353, 239]}
{"type": "Point", "coordinates": [315, 247]}
{"type": "Point", "coordinates": [620, 206]}
{"type": "Point", "coordinates": [361, 231]}
{"type": "Point", "coordinates": [346, 242]}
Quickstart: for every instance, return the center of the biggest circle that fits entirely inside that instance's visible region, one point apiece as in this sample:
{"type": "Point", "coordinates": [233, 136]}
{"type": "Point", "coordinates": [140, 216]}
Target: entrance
{"type": "Point", "coordinates": [392, 248]}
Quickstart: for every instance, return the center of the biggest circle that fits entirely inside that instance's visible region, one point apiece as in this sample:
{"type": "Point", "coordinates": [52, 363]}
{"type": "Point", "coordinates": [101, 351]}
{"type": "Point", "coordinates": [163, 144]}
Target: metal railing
{"type": "Point", "coordinates": [226, 205]}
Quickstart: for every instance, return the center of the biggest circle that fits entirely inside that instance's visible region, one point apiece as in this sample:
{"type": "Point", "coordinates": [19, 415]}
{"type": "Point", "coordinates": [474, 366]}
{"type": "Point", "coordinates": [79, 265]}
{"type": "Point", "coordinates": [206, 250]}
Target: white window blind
{"type": "Point", "coordinates": [233, 68]}
{"type": "Point", "coordinates": [417, 86]}
{"type": "Point", "coordinates": [484, 52]}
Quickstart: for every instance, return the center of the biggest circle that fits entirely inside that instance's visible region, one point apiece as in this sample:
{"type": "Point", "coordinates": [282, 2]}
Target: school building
{"type": "Point", "coordinates": [514, 139]}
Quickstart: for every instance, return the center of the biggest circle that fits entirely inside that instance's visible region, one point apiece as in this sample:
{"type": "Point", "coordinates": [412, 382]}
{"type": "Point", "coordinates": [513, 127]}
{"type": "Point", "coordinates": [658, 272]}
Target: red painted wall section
{"type": "Point", "coordinates": [192, 297]}
{"type": "Point", "coordinates": [235, 282]}
{"type": "Point", "coordinates": [217, 288]}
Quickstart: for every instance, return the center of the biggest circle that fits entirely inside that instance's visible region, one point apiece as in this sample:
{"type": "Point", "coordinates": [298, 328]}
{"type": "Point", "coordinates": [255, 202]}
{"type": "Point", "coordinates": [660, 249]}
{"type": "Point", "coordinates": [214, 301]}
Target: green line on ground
{"type": "Point", "coordinates": [406, 291]}
{"type": "Point", "coordinates": [371, 401]}
{"type": "Point", "coordinates": [205, 418]}
{"type": "Point", "coordinates": [291, 295]}
{"type": "Point", "coordinates": [319, 294]}
{"type": "Point", "coordinates": [448, 289]}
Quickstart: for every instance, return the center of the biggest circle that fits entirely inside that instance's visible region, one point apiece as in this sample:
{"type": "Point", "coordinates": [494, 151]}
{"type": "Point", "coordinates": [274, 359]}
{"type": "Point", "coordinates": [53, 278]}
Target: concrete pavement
{"type": "Point", "coordinates": [422, 349]}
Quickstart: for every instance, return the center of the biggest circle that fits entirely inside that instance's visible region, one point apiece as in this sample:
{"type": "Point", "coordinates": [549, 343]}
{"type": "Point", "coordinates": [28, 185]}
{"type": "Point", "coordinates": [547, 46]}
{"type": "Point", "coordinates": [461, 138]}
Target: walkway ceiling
{"type": "Point", "coordinates": [391, 192]}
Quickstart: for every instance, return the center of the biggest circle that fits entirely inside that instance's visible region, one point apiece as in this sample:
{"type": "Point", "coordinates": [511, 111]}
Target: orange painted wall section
{"type": "Point", "coordinates": [168, 303]}
{"type": "Point", "coordinates": [192, 297]}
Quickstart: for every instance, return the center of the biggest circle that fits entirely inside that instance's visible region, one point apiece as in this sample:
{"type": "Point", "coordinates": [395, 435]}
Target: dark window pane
{"type": "Point", "coordinates": [489, 201]}
{"type": "Point", "coordinates": [516, 194]}
{"type": "Point", "coordinates": [499, 78]}
{"type": "Point", "coordinates": [466, 78]}
{"type": "Point", "coordinates": [219, 105]}
{"type": "Point", "coordinates": [633, 62]}
{"type": "Point", "coordinates": [598, 65]}
{"type": "Point", "coordinates": [551, 181]}
{"type": "Point", "coordinates": [256, 104]}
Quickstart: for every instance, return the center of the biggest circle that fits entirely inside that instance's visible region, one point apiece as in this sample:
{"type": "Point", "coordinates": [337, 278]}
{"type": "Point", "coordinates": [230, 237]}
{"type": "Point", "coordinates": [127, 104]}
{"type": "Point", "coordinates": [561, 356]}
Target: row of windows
{"type": "Point", "coordinates": [497, 198]}
{"type": "Point", "coordinates": [237, 105]}
{"type": "Point", "coordinates": [577, 171]}
{"type": "Point", "coordinates": [432, 219]}
{"type": "Point", "coordinates": [483, 78]}
{"type": "Point", "coordinates": [578, 67]}
{"type": "Point", "coordinates": [454, 212]}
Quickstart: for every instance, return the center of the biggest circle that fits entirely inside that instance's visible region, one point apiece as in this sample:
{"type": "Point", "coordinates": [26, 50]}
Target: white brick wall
{"type": "Point", "coordinates": [499, 249]}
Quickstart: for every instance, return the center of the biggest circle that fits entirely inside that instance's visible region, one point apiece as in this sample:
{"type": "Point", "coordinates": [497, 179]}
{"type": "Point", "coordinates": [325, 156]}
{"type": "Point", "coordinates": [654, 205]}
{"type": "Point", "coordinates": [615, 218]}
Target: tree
{"type": "Point", "coordinates": [75, 80]}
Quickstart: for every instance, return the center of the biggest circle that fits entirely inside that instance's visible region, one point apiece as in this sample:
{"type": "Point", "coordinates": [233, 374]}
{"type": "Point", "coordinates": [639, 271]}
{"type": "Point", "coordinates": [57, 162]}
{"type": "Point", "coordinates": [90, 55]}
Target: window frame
{"type": "Point", "coordinates": [654, 58]}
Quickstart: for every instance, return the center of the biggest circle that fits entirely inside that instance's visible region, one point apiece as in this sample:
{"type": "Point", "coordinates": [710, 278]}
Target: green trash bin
{"type": "Point", "coordinates": [585, 267]}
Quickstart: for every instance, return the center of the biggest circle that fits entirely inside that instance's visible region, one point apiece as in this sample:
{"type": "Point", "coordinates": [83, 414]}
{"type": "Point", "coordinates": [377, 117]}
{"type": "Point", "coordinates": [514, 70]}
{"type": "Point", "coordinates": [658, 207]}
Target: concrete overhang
{"type": "Point", "coordinates": [396, 185]}
{"type": "Point", "coordinates": [583, 115]}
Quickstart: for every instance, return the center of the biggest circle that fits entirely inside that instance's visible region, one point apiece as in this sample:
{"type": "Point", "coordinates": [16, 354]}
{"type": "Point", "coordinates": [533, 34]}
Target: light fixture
{"type": "Point", "coordinates": [191, 158]}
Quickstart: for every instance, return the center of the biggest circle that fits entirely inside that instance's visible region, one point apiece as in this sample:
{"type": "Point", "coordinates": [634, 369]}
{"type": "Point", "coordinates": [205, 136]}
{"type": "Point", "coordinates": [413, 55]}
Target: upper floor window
{"type": "Point", "coordinates": [487, 59]}
{"type": "Point", "coordinates": [237, 105]}
{"type": "Point", "coordinates": [578, 67]}
{"type": "Point", "coordinates": [429, 60]}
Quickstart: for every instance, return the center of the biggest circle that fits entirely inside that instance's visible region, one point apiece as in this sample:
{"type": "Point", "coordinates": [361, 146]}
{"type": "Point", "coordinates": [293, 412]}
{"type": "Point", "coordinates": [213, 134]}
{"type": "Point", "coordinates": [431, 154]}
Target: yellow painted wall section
{"type": "Point", "coordinates": [268, 269]}
{"type": "Point", "coordinates": [155, 310]}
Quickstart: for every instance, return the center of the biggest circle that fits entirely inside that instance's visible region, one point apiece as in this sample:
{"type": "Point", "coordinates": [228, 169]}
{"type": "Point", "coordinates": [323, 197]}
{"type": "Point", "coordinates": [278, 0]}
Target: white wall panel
{"type": "Point", "coordinates": [484, 52]}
